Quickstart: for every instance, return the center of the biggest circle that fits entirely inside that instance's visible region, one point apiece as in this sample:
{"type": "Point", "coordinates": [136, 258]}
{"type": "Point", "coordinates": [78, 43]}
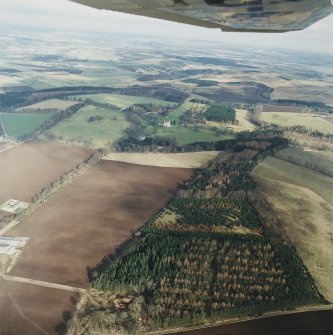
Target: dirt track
{"type": "Point", "coordinates": [27, 168]}
{"type": "Point", "coordinates": [90, 218]}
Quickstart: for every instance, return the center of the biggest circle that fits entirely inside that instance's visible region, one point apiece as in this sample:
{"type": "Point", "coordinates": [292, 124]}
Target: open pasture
{"type": "Point", "coordinates": [78, 129]}
{"type": "Point", "coordinates": [306, 219]}
{"type": "Point", "coordinates": [52, 103]}
{"type": "Point", "coordinates": [277, 169]}
{"type": "Point", "coordinates": [32, 310]}
{"type": "Point", "coordinates": [191, 134]}
{"type": "Point", "coordinates": [321, 161]}
{"type": "Point", "coordinates": [31, 166]}
{"type": "Point", "coordinates": [307, 120]}
{"type": "Point", "coordinates": [90, 218]}
{"type": "Point", "coordinates": [122, 100]}
{"type": "Point", "coordinates": [242, 117]}
{"type": "Point", "coordinates": [18, 124]}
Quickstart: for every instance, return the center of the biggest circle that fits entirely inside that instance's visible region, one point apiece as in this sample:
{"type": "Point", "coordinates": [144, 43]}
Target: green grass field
{"type": "Point", "coordinates": [52, 103]}
{"type": "Point", "coordinates": [185, 135]}
{"type": "Point", "coordinates": [121, 100]}
{"type": "Point", "coordinates": [277, 169]}
{"type": "Point", "coordinates": [95, 134]}
{"type": "Point", "coordinates": [18, 124]}
{"type": "Point", "coordinates": [298, 119]}
{"type": "Point", "coordinates": [321, 161]}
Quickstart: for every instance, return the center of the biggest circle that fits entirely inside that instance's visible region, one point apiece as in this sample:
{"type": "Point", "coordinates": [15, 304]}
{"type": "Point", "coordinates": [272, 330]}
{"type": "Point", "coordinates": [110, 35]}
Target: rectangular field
{"type": "Point", "coordinates": [18, 124]}
{"type": "Point", "coordinates": [52, 103]}
{"type": "Point", "coordinates": [31, 166]}
{"type": "Point", "coordinates": [90, 218]}
{"type": "Point", "coordinates": [287, 109]}
{"type": "Point", "coordinates": [185, 135]}
{"type": "Point", "coordinates": [32, 310]}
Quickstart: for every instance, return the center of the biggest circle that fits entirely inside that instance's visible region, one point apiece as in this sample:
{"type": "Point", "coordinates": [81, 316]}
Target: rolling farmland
{"type": "Point", "coordinates": [122, 101]}
{"type": "Point", "coordinates": [78, 129]}
{"type": "Point", "coordinates": [45, 161]}
{"type": "Point", "coordinates": [277, 169]}
{"type": "Point", "coordinates": [302, 200]}
{"type": "Point", "coordinates": [50, 104]}
{"type": "Point", "coordinates": [90, 218]}
{"type": "Point", "coordinates": [18, 124]}
{"type": "Point", "coordinates": [33, 310]}
{"type": "Point", "coordinates": [307, 120]}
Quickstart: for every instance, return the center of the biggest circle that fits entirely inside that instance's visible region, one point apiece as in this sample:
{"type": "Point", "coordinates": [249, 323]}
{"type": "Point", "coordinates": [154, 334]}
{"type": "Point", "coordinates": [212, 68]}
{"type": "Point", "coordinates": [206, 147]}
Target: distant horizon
{"type": "Point", "coordinates": [89, 34]}
{"type": "Point", "coordinates": [68, 16]}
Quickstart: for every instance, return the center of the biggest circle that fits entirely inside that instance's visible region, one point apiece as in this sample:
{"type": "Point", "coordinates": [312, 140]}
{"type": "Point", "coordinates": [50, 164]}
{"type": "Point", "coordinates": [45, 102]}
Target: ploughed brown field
{"type": "Point", "coordinates": [287, 109]}
{"type": "Point", "coordinates": [31, 166]}
{"type": "Point", "coordinates": [32, 310]}
{"type": "Point", "coordinates": [90, 218]}
{"type": "Point", "coordinates": [307, 323]}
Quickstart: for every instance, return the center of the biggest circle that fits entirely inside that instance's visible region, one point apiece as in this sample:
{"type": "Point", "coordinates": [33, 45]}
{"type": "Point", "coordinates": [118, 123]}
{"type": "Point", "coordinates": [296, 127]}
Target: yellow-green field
{"type": "Point", "coordinates": [322, 161]}
{"type": "Point", "coordinates": [324, 125]}
{"type": "Point", "coordinates": [302, 200]}
{"type": "Point", "coordinates": [191, 134]}
{"type": "Point", "coordinates": [177, 160]}
{"type": "Point", "coordinates": [18, 124]}
{"type": "Point", "coordinates": [52, 103]}
{"type": "Point", "coordinates": [307, 220]}
{"type": "Point", "coordinates": [244, 123]}
{"type": "Point", "coordinates": [121, 100]}
{"type": "Point", "coordinates": [77, 128]}
{"type": "Point", "coordinates": [280, 170]}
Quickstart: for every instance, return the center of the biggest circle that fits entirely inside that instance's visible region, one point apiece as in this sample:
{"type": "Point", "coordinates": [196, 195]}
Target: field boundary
{"type": "Point", "coordinates": [43, 283]}
{"type": "Point", "coordinates": [59, 184]}
{"type": "Point", "coordinates": [297, 310]}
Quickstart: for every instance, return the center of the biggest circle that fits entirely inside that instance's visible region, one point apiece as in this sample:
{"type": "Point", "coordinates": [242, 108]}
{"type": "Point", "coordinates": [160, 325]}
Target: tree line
{"type": "Point", "coordinates": [188, 276]}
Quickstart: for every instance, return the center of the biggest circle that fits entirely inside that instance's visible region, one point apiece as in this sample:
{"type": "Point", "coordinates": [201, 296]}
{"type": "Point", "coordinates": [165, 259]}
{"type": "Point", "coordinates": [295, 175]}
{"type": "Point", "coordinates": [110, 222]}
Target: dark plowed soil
{"type": "Point", "coordinates": [90, 218]}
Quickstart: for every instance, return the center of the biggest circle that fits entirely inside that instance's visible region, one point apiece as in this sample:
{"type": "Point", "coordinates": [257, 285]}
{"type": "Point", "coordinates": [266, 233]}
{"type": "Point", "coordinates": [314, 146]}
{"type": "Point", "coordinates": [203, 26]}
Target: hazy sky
{"type": "Point", "coordinates": [62, 14]}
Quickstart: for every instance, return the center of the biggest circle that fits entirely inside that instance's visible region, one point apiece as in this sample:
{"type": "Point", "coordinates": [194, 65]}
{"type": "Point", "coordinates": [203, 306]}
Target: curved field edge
{"type": "Point", "coordinates": [320, 161]}
{"type": "Point", "coordinates": [177, 160]}
{"type": "Point", "coordinates": [178, 271]}
{"type": "Point", "coordinates": [306, 219]}
{"type": "Point", "coordinates": [277, 169]}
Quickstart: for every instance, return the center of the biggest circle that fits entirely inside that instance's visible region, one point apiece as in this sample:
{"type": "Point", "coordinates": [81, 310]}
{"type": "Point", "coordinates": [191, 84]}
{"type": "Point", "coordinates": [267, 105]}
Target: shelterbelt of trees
{"type": "Point", "coordinates": [208, 254]}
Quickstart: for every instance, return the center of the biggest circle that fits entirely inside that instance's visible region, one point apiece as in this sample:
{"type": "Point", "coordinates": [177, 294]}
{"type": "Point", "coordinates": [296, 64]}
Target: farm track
{"type": "Point", "coordinates": [2, 124]}
{"type": "Point", "coordinates": [43, 283]}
